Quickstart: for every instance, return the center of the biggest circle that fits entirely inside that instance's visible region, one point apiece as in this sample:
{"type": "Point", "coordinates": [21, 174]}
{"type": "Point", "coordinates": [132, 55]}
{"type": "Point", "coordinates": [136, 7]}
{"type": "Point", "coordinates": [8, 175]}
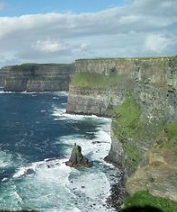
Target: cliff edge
{"type": "Point", "coordinates": [141, 96]}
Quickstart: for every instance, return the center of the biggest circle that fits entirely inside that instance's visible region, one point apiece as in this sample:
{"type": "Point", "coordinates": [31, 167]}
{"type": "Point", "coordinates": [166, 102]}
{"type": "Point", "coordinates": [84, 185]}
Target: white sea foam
{"type": "Point", "coordinates": [5, 159]}
{"type": "Point", "coordinates": [20, 172]}
{"type": "Point", "coordinates": [61, 93]}
{"type": "Point", "coordinates": [58, 93]}
{"type": "Point", "coordinates": [3, 92]}
{"type": "Point", "coordinates": [59, 112]}
{"type": "Point", "coordinates": [61, 188]}
{"type": "Point", "coordinates": [36, 166]}
{"type": "Point", "coordinates": [91, 189]}
{"type": "Point", "coordinates": [79, 117]}
{"type": "Point", "coordinates": [50, 185]}
{"type": "Point", "coordinates": [4, 179]}
{"type": "Point", "coordinates": [94, 149]}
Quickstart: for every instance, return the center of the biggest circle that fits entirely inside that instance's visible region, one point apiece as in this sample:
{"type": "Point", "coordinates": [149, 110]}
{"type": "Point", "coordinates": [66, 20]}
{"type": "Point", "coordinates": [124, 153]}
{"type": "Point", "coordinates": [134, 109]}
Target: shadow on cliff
{"type": "Point", "coordinates": [141, 209]}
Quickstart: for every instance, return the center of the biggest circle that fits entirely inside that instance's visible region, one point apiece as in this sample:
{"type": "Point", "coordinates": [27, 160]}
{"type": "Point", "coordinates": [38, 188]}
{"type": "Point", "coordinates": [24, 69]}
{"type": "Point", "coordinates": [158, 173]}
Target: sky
{"type": "Point", "coordinates": [61, 31]}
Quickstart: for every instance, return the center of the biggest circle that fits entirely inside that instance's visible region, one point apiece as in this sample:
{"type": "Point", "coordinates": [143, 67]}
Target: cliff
{"type": "Point", "coordinates": [98, 86]}
{"type": "Point", "coordinates": [4, 72]}
{"type": "Point", "coordinates": [39, 77]}
{"type": "Point", "coordinates": [141, 96]}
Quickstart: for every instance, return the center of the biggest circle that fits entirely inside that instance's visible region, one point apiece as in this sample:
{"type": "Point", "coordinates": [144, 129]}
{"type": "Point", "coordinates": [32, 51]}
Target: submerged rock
{"type": "Point", "coordinates": [77, 159]}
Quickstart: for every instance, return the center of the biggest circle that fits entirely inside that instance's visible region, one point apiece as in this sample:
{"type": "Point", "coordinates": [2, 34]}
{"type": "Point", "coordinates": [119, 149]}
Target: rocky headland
{"type": "Point", "coordinates": [36, 77]}
{"type": "Point", "coordinates": [140, 94]}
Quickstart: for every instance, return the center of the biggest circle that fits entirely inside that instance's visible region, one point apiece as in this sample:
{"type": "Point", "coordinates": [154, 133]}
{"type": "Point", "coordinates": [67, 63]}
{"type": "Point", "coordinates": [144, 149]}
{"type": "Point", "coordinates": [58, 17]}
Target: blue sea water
{"type": "Point", "coordinates": [36, 138]}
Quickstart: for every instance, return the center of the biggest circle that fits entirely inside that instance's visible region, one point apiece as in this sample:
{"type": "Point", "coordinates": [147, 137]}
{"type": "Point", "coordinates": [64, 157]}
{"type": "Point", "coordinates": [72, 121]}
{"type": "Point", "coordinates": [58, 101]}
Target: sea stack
{"type": "Point", "coordinates": [77, 159]}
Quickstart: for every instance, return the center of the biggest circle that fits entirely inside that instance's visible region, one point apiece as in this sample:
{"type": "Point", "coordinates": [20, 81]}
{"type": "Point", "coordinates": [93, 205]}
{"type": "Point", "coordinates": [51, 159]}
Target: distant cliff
{"type": "Point", "coordinates": [39, 77]}
{"type": "Point", "coordinates": [4, 72]}
{"type": "Point", "coordinates": [141, 96]}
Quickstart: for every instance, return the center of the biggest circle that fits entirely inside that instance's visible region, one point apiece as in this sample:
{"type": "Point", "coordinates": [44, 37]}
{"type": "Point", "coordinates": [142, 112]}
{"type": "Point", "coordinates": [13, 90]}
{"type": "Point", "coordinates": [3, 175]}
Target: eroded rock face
{"type": "Point", "coordinates": [77, 159]}
{"type": "Point", "coordinates": [141, 96]}
{"type": "Point", "coordinates": [158, 176]}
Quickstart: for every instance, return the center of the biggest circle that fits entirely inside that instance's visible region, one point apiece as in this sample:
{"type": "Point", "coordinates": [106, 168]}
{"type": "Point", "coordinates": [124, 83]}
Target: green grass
{"type": "Point", "coordinates": [86, 79]}
{"type": "Point", "coordinates": [126, 125]}
{"type": "Point", "coordinates": [128, 58]}
{"type": "Point", "coordinates": [134, 155]}
{"type": "Point", "coordinates": [127, 115]}
{"type": "Point", "coordinates": [172, 130]}
{"type": "Point", "coordinates": [143, 198]}
{"type": "Point", "coordinates": [171, 137]}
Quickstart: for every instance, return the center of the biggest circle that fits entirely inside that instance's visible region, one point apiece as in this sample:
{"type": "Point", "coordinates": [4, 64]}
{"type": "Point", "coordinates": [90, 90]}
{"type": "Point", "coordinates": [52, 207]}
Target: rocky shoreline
{"type": "Point", "coordinates": [118, 193]}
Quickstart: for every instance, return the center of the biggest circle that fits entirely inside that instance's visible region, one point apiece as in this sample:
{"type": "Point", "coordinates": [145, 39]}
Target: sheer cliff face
{"type": "Point", "coordinates": [99, 85]}
{"type": "Point", "coordinates": [39, 78]}
{"type": "Point", "coordinates": [141, 97]}
{"type": "Point", "coordinates": [4, 72]}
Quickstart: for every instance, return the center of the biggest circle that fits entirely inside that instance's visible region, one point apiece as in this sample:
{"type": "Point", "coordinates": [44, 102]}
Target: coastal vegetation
{"type": "Point", "coordinates": [171, 131]}
{"type": "Point", "coordinates": [167, 138]}
{"type": "Point", "coordinates": [125, 126]}
{"type": "Point", "coordinates": [32, 69]}
{"type": "Point", "coordinates": [127, 117]}
{"type": "Point", "coordinates": [34, 66]}
{"type": "Point", "coordinates": [86, 79]}
{"type": "Point", "coordinates": [130, 58]}
{"type": "Point", "coordinates": [143, 198]}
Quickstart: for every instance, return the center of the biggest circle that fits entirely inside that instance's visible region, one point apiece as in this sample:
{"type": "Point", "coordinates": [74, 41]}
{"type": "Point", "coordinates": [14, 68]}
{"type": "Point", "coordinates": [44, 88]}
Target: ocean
{"type": "Point", "coordinates": [36, 138]}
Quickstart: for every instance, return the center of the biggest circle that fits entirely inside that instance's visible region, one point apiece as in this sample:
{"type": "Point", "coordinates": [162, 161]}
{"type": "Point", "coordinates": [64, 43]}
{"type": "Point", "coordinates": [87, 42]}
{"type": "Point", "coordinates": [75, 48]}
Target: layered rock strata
{"type": "Point", "coordinates": [99, 85]}
{"type": "Point", "coordinates": [4, 72]}
{"type": "Point", "coordinates": [39, 77]}
{"type": "Point", "coordinates": [141, 94]}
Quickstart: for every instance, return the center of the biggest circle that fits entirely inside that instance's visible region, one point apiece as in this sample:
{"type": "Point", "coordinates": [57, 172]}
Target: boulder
{"type": "Point", "coordinates": [77, 159]}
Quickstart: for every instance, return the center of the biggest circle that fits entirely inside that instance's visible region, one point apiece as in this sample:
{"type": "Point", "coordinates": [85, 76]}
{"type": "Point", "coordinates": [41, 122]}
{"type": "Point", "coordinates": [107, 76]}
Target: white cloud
{"type": "Point", "coordinates": [130, 19]}
{"type": "Point", "coordinates": [140, 28]}
{"type": "Point", "coordinates": [49, 46]}
{"type": "Point", "coordinates": [158, 42]}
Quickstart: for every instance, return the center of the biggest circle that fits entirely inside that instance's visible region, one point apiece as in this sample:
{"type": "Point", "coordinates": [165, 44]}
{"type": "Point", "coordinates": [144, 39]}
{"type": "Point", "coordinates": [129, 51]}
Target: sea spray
{"type": "Point", "coordinates": [36, 140]}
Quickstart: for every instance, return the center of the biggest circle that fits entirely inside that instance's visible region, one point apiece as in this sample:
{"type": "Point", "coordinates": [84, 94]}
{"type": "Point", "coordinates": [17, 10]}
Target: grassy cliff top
{"type": "Point", "coordinates": [27, 66]}
{"type": "Point", "coordinates": [128, 58]}
{"type": "Point", "coordinates": [86, 79]}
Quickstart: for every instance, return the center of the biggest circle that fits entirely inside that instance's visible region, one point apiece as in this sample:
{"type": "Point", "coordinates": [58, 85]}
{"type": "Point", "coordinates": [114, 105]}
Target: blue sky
{"type": "Point", "coordinates": [21, 7]}
{"type": "Point", "coordinates": [61, 31]}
